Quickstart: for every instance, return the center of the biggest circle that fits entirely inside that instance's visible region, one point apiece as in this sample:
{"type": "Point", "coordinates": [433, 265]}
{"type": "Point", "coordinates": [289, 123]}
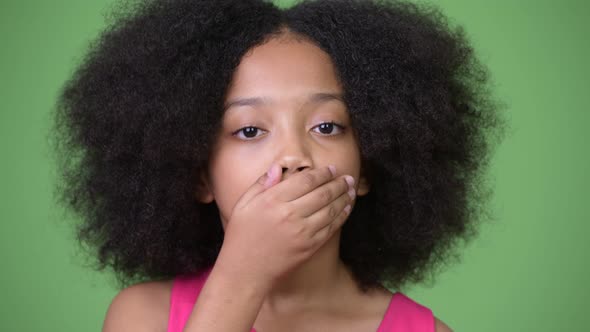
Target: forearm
{"type": "Point", "coordinates": [226, 303]}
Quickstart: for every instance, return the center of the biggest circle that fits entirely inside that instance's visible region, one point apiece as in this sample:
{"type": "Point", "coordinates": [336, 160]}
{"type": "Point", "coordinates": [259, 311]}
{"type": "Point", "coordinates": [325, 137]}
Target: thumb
{"type": "Point", "coordinates": [267, 180]}
{"type": "Point", "coordinates": [271, 177]}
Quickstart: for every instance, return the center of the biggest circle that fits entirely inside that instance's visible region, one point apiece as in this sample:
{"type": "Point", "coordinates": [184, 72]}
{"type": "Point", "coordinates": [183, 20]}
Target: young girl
{"type": "Point", "coordinates": [250, 168]}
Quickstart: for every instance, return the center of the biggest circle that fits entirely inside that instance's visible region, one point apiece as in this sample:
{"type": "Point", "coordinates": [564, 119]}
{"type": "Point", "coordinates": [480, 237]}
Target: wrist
{"type": "Point", "coordinates": [233, 272]}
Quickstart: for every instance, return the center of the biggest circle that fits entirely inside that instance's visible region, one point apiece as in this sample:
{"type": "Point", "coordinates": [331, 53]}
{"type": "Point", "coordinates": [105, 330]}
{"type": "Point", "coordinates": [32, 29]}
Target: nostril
{"type": "Point", "coordinates": [299, 169]}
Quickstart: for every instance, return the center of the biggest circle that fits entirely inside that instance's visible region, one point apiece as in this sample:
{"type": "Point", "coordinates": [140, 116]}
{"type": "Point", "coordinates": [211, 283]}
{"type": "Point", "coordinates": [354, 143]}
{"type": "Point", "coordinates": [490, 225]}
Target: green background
{"type": "Point", "coordinates": [528, 271]}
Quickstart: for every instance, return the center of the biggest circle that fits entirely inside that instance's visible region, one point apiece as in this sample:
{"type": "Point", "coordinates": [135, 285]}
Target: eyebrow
{"type": "Point", "coordinates": [258, 101]}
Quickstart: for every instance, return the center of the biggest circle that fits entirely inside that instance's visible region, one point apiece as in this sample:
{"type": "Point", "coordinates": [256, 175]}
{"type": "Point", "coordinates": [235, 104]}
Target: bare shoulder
{"type": "Point", "coordinates": [440, 326]}
{"type": "Point", "coordinates": [141, 307]}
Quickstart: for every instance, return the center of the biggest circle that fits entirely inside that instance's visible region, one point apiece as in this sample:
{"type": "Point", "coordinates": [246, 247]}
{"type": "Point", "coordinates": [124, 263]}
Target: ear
{"type": "Point", "coordinates": [203, 192]}
{"type": "Point", "coordinates": [363, 187]}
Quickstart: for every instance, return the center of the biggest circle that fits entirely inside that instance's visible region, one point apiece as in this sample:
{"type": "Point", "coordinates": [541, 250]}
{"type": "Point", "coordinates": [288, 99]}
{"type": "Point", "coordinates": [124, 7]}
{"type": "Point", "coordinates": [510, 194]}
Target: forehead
{"type": "Point", "coordinates": [284, 68]}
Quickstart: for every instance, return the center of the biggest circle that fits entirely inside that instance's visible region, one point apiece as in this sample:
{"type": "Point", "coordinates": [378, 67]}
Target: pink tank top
{"type": "Point", "coordinates": [402, 315]}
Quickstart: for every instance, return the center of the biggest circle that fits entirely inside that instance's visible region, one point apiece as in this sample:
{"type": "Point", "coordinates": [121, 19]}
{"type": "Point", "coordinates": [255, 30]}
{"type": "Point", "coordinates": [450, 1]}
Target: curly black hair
{"type": "Point", "coordinates": [134, 124]}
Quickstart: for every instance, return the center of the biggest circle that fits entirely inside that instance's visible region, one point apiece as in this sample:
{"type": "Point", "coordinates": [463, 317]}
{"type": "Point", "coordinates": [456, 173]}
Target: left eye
{"type": "Point", "coordinates": [328, 127]}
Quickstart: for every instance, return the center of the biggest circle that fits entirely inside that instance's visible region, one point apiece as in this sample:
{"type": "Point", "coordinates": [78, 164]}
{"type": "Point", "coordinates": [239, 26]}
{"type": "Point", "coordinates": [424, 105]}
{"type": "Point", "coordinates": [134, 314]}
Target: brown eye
{"type": "Point", "coordinates": [248, 132]}
{"type": "Point", "coordinates": [327, 128]}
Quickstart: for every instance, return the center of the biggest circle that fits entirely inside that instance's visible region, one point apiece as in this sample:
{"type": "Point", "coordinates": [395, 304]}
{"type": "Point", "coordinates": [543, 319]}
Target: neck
{"type": "Point", "coordinates": [323, 278]}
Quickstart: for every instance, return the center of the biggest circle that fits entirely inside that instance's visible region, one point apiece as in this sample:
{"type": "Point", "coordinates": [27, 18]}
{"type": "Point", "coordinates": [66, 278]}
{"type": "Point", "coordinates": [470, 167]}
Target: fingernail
{"type": "Point", "coordinates": [271, 172]}
{"type": "Point", "coordinates": [332, 169]}
{"type": "Point", "coordinates": [347, 209]}
{"type": "Point", "coordinates": [350, 180]}
{"type": "Point", "coordinates": [351, 193]}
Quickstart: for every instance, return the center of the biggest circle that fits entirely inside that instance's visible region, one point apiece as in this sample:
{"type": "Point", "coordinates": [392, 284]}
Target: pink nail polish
{"type": "Point", "coordinates": [332, 169]}
{"type": "Point", "coordinates": [347, 209]}
{"type": "Point", "coordinates": [271, 172]}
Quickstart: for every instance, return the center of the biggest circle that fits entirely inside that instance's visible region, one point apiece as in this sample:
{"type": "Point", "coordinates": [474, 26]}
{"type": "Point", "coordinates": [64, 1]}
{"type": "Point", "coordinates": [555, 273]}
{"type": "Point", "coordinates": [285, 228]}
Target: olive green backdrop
{"type": "Point", "coordinates": [526, 272]}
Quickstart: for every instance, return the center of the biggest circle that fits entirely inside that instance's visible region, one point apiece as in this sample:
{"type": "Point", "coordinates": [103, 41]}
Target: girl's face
{"type": "Point", "coordinates": [280, 106]}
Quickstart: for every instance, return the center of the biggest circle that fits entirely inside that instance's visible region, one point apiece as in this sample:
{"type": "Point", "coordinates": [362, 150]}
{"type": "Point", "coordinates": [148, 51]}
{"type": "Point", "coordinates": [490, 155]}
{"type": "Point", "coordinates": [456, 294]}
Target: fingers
{"type": "Point", "coordinates": [305, 181]}
{"type": "Point", "coordinates": [327, 214]}
{"type": "Point", "coordinates": [323, 196]}
{"type": "Point", "coordinates": [273, 176]}
{"type": "Point", "coordinates": [330, 219]}
{"type": "Point", "coordinates": [326, 209]}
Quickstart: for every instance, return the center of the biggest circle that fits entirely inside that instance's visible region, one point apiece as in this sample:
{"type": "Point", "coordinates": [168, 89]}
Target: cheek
{"type": "Point", "coordinates": [348, 157]}
{"type": "Point", "coordinates": [225, 198]}
{"type": "Point", "coordinates": [231, 177]}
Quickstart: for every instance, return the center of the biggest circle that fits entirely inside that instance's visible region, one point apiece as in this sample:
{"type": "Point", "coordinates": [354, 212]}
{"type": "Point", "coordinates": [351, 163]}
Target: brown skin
{"type": "Point", "coordinates": [286, 72]}
{"type": "Point", "coordinates": [303, 290]}
{"type": "Point", "coordinates": [144, 307]}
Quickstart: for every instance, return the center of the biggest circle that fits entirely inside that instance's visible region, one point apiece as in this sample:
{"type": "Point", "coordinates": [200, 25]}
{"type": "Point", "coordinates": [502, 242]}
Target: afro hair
{"type": "Point", "coordinates": [134, 124]}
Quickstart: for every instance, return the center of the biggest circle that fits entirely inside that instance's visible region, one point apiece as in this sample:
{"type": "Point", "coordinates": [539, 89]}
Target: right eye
{"type": "Point", "coordinates": [248, 132]}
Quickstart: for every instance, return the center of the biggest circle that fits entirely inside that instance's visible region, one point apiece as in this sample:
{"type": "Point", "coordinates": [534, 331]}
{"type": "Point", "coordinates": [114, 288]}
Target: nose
{"type": "Point", "coordinates": [294, 156]}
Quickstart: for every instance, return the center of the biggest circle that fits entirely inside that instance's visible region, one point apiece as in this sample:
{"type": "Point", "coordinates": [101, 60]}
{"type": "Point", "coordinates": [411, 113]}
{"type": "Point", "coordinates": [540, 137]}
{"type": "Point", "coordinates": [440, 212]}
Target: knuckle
{"type": "Point", "coordinates": [329, 228]}
{"type": "Point", "coordinates": [327, 231]}
{"type": "Point", "coordinates": [298, 230]}
{"type": "Point", "coordinates": [305, 245]}
{"type": "Point", "coordinates": [308, 246]}
{"type": "Point", "coordinates": [287, 214]}
{"type": "Point", "coordinates": [326, 196]}
{"type": "Point", "coordinates": [332, 212]}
